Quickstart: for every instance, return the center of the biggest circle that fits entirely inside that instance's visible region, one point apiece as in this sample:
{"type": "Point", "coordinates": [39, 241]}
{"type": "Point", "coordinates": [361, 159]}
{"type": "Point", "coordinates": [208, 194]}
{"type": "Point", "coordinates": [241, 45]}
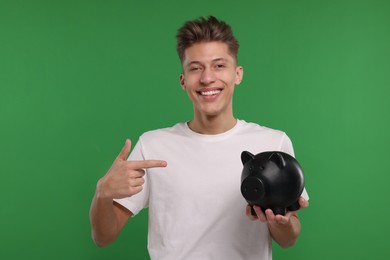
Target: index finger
{"type": "Point", "coordinates": [146, 164]}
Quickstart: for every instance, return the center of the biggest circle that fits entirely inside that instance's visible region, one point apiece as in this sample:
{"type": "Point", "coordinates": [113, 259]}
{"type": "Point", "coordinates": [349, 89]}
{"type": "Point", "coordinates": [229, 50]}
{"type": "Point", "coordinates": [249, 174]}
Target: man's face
{"type": "Point", "coordinates": [209, 76]}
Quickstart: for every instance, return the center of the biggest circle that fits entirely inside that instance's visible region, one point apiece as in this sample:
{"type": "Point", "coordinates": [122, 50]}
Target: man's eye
{"type": "Point", "coordinates": [194, 68]}
{"type": "Point", "coordinates": [220, 66]}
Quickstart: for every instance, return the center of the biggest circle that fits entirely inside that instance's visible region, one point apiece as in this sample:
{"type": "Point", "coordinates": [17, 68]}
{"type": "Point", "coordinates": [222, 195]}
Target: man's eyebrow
{"type": "Point", "coordinates": [200, 63]}
{"type": "Point", "coordinates": [193, 62]}
{"type": "Point", "coordinates": [219, 59]}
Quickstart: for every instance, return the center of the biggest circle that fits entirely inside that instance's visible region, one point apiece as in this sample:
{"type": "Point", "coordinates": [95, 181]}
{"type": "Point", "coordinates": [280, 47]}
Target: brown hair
{"type": "Point", "coordinates": [205, 30]}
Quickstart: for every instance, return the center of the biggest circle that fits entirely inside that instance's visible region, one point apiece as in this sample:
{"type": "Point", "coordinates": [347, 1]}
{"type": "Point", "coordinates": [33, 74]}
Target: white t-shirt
{"type": "Point", "coordinates": [196, 209]}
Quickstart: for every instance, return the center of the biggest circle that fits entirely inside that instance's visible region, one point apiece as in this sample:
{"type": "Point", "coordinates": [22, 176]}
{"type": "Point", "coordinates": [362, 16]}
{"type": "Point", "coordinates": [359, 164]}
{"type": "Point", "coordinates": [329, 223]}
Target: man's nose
{"type": "Point", "coordinates": [207, 76]}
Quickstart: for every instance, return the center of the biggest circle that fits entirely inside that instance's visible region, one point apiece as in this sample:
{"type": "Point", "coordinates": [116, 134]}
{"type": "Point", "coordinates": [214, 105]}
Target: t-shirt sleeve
{"type": "Point", "coordinates": [140, 200]}
{"type": "Point", "coordinates": [287, 147]}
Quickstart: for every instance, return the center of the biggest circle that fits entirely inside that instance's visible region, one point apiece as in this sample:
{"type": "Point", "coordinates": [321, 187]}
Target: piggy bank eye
{"type": "Point", "coordinates": [261, 167]}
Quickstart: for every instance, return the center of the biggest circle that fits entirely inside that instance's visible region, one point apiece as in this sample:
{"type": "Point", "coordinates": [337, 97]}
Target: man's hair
{"type": "Point", "coordinates": [205, 30]}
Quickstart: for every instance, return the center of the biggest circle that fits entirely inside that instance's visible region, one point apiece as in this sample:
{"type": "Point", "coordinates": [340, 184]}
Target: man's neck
{"type": "Point", "coordinates": [212, 125]}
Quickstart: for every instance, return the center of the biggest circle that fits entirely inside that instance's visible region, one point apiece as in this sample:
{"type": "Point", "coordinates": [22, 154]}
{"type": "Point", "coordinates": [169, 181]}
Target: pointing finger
{"type": "Point", "coordinates": [148, 164]}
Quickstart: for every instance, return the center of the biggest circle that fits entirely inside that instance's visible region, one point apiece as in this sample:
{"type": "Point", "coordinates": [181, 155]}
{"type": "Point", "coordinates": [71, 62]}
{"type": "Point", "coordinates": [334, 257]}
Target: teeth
{"type": "Point", "coordinates": [210, 93]}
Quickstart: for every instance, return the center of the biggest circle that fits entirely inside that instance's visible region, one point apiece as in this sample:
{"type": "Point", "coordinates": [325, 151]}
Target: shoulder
{"type": "Point", "coordinates": [167, 132]}
{"type": "Point", "coordinates": [249, 128]}
{"type": "Point", "coordinates": [262, 138]}
{"type": "Point", "coordinates": [156, 143]}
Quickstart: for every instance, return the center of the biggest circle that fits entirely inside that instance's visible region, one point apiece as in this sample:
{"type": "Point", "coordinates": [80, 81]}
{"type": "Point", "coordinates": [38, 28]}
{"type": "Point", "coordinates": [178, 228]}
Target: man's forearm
{"type": "Point", "coordinates": [286, 234]}
{"type": "Point", "coordinates": [103, 221]}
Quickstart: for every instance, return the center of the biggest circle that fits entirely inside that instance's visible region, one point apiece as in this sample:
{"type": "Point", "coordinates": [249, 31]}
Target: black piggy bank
{"type": "Point", "coordinates": [271, 180]}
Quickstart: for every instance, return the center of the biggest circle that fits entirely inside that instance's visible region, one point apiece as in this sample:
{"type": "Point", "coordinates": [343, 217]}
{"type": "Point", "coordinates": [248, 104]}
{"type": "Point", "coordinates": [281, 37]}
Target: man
{"type": "Point", "coordinates": [189, 175]}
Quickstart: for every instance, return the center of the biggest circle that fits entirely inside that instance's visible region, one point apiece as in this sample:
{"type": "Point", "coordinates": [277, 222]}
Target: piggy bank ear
{"type": "Point", "coordinates": [278, 159]}
{"type": "Point", "coordinates": [246, 157]}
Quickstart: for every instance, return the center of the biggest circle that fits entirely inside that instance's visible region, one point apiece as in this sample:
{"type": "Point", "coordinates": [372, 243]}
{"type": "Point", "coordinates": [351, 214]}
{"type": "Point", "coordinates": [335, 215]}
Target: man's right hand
{"type": "Point", "coordinates": [125, 178]}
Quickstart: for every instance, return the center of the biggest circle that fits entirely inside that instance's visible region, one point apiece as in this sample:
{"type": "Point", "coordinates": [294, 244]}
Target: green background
{"type": "Point", "coordinates": [78, 77]}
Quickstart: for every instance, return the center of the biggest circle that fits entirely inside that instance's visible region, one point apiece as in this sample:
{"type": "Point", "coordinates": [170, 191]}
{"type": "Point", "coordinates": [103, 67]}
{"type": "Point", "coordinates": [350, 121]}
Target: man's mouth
{"type": "Point", "coordinates": [210, 92]}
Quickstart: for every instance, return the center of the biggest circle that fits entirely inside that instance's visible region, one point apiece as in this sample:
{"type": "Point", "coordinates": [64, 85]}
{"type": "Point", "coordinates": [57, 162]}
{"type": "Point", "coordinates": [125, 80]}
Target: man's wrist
{"type": "Point", "coordinates": [101, 193]}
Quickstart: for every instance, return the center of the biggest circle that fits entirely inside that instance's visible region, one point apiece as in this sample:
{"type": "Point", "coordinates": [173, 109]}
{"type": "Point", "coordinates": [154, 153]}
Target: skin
{"type": "Point", "coordinates": [123, 179]}
{"type": "Point", "coordinates": [208, 67]}
{"type": "Point", "coordinates": [283, 229]}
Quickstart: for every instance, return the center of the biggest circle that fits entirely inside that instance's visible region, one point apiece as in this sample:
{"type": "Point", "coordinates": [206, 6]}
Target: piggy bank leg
{"type": "Point", "coordinates": [279, 211]}
{"type": "Point", "coordinates": [294, 207]}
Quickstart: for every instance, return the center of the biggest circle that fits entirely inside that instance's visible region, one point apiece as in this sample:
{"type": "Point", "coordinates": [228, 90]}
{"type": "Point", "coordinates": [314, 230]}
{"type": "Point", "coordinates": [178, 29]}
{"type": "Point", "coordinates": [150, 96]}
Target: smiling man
{"type": "Point", "coordinates": [209, 75]}
{"type": "Point", "coordinates": [189, 175]}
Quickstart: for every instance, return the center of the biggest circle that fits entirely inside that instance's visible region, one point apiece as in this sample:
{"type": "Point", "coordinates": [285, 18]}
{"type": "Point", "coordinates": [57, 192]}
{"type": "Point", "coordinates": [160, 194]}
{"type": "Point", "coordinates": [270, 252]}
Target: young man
{"type": "Point", "coordinates": [189, 175]}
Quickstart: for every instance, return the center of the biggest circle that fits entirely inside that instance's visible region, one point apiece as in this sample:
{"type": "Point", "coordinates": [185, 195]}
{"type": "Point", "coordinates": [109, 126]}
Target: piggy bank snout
{"type": "Point", "coordinates": [252, 188]}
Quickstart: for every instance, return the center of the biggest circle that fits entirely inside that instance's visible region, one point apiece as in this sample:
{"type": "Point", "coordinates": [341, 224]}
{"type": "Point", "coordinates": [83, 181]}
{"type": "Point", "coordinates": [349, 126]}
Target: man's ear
{"type": "Point", "coordinates": [182, 82]}
{"type": "Point", "coordinates": [239, 74]}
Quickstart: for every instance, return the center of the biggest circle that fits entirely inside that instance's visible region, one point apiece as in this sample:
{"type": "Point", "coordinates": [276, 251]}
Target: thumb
{"type": "Point", "coordinates": [125, 150]}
